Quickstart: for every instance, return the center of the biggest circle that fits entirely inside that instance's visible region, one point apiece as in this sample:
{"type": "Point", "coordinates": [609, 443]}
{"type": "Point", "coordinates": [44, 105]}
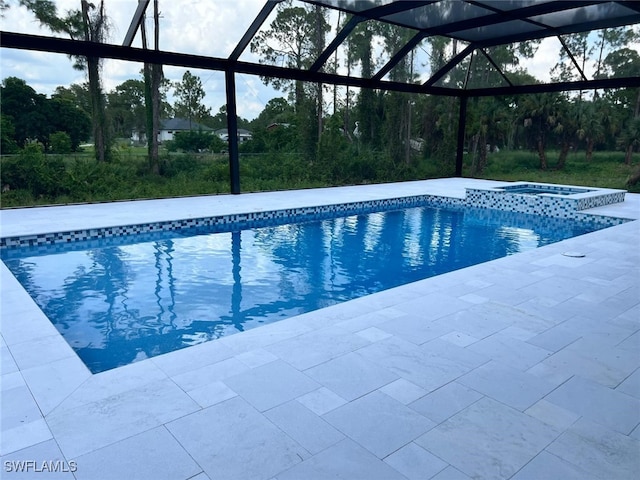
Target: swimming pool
{"type": "Point", "coordinates": [119, 300]}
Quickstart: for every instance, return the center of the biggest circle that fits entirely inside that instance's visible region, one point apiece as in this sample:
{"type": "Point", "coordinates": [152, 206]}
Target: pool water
{"type": "Point", "coordinates": [117, 304]}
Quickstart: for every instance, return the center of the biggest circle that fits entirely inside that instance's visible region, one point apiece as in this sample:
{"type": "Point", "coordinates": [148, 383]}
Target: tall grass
{"type": "Point", "coordinates": [32, 178]}
{"type": "Point", "coordinates": [605, 170]}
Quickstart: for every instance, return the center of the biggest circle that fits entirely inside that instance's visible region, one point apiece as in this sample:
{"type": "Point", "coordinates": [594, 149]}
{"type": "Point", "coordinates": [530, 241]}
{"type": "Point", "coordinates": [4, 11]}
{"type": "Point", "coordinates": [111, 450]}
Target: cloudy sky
{"type": "Point", "coordinates": [203, 27]}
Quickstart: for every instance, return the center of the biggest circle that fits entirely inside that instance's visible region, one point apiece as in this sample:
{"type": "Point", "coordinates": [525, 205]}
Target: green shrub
{"type": "Point", "coordinates": [60, 142]}
{"type": "Point", "coordinates": [34, 172]}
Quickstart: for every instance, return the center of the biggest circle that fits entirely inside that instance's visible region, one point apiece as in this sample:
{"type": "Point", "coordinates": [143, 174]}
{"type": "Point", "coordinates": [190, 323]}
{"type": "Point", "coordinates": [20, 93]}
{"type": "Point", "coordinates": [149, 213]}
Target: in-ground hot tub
{"type": "Point", "coordinates": [563, 201]}
{"type": "Point", "coordinates": [539, 189]}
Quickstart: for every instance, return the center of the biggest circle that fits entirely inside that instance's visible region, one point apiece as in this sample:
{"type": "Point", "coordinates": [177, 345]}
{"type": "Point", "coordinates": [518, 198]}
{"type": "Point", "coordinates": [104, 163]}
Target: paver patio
{"type": "Point", "coordinates": [525, 367]}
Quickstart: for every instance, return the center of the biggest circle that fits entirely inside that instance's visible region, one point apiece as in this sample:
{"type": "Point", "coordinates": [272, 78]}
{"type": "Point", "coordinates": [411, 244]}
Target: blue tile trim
{"type": "Point", "coordinates": [543, 205]}
{"type": "Point", "coordinates": [234, 221]}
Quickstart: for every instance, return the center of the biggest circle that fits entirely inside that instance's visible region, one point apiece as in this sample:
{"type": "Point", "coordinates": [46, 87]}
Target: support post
{"type": "Point", "coordinates": [232, 131]}
{"type": "Point", "coordinates": [462, 123]}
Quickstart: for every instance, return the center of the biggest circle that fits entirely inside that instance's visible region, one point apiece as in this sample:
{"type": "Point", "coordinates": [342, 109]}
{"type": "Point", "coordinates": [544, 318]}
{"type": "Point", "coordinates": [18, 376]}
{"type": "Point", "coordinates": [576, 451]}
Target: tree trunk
{"type": "Point", "coordinates": [628, 154]}
{"type": "Point", "coordinates": [634, 177]}
{"type": "Point", "coordinates": [589, 149]}
{"type": "Point", "coordinates": [91, 34]}
{"type": "Point", "coordinates": [562, 158]}
{"type": "Point", "coordinates": [542, 154]}
{"type": "Point", "coordinates": [636, 113]}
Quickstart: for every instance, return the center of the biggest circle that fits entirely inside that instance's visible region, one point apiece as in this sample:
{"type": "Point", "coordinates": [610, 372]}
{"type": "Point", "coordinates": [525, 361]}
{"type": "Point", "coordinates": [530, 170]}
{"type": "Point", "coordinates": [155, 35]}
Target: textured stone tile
{"type": "Point", "coordinates": [632, 343]}
{"type": "Point", "coordinates": [479, 321]}
{"type": "Point", "coordinates": [211, 393]}
{"type": "Point", "coordinates": [23, 436]}
{"type": "Point", "coordinates": [231, 440]}
{"type": "Point", "coordinates": [351, 376]}
{"type": "Point", "coordinates": [434, 364]}
{"type": "Point", "coordinates": [556, 338]}
{"type": "Point", "coordinates": [152, 455]}
{"type": "Point", "coordinates": [403, 391]}
{"type": "Point", "coordinates": [552, 414]}
{"type": "Point", "coordinates": [510, 351]}
{"type": "Point", "coordinates": [378, 423]}
{"type": "Point", "coordinates": [98, 424]}
{"type": "Point", "coordinates": [18, 407]}
{"type": "Point", "coordinates": [256, 358]}
{"type": "Point", "coordinates": [488, 440]}
{"type": "Point", "coordinates": [112, 382]}
{"type": "Point", "coordinates": [52, 383]}
{"type": "Point", "coordinates": [598, 450]}
{"type": "Point", "coordinates": [344, 461]}
{"type": "Point", "coordinates": [547, 466]}
{"type": "Point", "coordinates": [41, 351]}
{"type": "Point", "coordinates": [433, 306]}
{"type": "Point", "coordinates": [46, 451]}
{"type": "Point", "coordinates": [304, 426]}
{"type": "Point", "coordinates": [314, 348]}
{"type": "Point", "coordinates": [606, 365]}
{"type": "Point", "coordinates": [459, 339]}
{"type": "Point", "coordinates": [415, 328]}
{"type": "Point", "coordinates": [7, 363]}
{"type": "Point", "coordinates": [415, 462]}
{"type": "Point", "coordinates": [208, 374]}
{"type": "Point", "coordinates": [508, 385]}
{"type": "Point", "coordinates": [631, 385]}
{"type": "Point", "coordinates": [596, 402]}
{"type": "Point", "coordinates": [373, 334]}
{"type": "Point", "coordinates": [451, 473]}
{"type": "Point", "coordinates": [192, 358]}
{"type": "Point", "coordinates": [445, 402]}
{"type": "Point", "coordinates": [271, 385]}
{"type": "Point", "coordinates": [321, 401]}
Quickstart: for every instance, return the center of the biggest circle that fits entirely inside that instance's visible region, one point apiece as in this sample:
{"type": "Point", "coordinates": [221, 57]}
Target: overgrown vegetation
{"type": "Point", "coordinates": [306, 138]}
{"type": "Point", "coordinates": [33, 178]}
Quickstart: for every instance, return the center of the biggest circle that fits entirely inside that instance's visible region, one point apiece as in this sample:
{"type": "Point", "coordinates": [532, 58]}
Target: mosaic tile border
{"type": "Point", "coordinates": [545, 204]}
{"type": "Point", "coordinates": [476, 198]}
{"type": "Point", "coordinates": [233, 221]}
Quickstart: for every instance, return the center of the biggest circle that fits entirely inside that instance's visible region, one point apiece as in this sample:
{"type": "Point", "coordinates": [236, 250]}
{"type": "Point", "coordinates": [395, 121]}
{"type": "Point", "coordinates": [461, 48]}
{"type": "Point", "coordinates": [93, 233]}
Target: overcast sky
{"type": "Point", "coordinates": [202, 27]}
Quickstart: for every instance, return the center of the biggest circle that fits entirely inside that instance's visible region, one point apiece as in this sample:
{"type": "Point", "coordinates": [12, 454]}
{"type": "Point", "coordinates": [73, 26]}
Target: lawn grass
{"type": "Point", "coordinates": [605, 170]}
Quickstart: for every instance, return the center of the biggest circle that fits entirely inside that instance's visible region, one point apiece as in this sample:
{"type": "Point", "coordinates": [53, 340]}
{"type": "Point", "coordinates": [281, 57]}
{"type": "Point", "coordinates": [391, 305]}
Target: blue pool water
{"type": "Point", "coordinates": [121, 302]}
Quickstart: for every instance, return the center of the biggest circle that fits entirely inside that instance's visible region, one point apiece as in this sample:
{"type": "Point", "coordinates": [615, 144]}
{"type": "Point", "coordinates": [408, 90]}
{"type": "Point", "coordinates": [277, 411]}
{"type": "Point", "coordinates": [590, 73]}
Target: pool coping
{"type": "Point", "coordinates": [57, 379]}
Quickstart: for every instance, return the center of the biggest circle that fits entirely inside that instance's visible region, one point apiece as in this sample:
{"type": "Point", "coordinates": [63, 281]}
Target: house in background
{"type": "Point", "coordinates": [171, 126]}
{"type": "Point", "coordinates": [243, 135]}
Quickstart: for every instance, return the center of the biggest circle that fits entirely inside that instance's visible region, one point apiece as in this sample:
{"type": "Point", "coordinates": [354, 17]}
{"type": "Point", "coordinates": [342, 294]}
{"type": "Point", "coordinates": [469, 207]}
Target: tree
{"type": "Point", "coordinates": [189, 94]}
{"type": "Point", "coordinates": [277, 110]}
{"type": "Point", "coordinates": [625, 62]}
{"type": "Point", "coordinates": [26, 110]}
{"type": "Point", "coordinates": [126, 108]}
{"type": "Point", "coordinates": [65, 117]}
{"type": "Point", "coordinates": [294, 39]}
{"type": "Point", "coordinates": [89, 24]}
{"type": "Point", "coordinates": [33, 116]}
{"type": "Point", "coordinates": [7, 135]}
{"type": "Point", "coordinates": [540, 117]}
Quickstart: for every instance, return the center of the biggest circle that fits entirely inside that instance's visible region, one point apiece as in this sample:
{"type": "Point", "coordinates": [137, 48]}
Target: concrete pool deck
{"type": "Point", "coordinates": [525, 367]}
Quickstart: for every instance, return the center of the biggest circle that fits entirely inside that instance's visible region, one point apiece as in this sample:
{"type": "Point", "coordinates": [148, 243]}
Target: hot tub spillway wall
{"type": "Point", "coordinates": [559, 205]}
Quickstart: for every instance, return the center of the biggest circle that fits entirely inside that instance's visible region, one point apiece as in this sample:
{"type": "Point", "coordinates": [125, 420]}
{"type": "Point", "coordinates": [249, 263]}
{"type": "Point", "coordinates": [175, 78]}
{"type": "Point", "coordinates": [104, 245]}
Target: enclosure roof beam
{"type": "Point", "coordinates": [82, 48]}
{"type": "Point", "coordinates": [400, 54]}
{"type": "Point", "coordinates": [253, 28]}
{"type": "Point", "coordinates": [340, 37]}
{"type": "Point", "coordinates": [135, 22]}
